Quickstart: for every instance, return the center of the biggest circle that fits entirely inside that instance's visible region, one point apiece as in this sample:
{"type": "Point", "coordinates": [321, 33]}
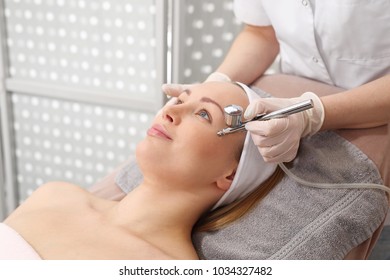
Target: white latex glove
{"type": "Point", "coordinates": [218, 77]}
{"type": "Point", "coordinates": [278, 139]}
{"type": "Point", "coordinates": [175, 90]}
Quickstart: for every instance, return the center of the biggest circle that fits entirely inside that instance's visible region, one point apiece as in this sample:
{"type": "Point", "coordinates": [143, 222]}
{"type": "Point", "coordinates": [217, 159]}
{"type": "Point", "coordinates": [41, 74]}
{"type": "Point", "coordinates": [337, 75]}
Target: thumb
{"type": "Point", "coordinates": [254, 108]}
{"type": "Point", "coordinates": [173, 90]}
{"type": "Point", "coordinates": [260, 106]}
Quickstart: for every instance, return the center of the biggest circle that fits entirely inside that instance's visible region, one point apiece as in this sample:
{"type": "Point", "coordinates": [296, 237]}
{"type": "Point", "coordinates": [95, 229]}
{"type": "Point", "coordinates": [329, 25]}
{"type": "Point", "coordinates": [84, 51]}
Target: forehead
{"type": "Point", "coordinates": [222, 92]}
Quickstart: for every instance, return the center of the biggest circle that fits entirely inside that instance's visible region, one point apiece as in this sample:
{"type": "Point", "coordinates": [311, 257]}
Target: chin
{"type": "Point", "coordinates": [141, 153]}
{"type": "Point", "coordinates": [150, 158]}
{"type": "Point", "coordinates": [160, 165]}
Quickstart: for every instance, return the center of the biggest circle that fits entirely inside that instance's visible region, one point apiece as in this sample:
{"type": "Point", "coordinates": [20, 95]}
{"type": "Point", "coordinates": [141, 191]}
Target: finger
{"type": "Point", "coordinates": [285, 139]}
{"type": "Point", "coordinates": [253, 109]}
{"type": "Point", "coordinates": [173, 89]}
{"type": "Point", "coordinates": [260, 106]}
{"type": "Point", "coordinates": [171, 101]}
{"type": "Point", "coordinates": [270, 128]}
{"type": "Point", "coordinates": [277, 154]}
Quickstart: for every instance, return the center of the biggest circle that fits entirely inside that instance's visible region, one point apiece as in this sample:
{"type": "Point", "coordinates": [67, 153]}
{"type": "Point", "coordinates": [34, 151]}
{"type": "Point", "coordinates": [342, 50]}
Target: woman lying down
{"type": "Point", "coordinates": [193, 180]}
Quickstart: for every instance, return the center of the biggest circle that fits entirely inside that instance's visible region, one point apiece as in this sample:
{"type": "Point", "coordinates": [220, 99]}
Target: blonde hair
{"type": "Point", "coordinates": [225, 215]}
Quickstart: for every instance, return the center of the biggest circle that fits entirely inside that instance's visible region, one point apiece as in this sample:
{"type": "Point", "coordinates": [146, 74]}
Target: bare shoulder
{"type": "Point", "coordinates": [58, 187]}
{"type": "Point", "coordinates": [58, 193]}
{"type": "Point", "coordinates": [51, 195]}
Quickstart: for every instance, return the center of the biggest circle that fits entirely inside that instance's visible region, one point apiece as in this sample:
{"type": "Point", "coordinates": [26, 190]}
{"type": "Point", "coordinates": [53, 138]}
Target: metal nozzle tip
{"type": "Point", "coordinates": [221, 133]}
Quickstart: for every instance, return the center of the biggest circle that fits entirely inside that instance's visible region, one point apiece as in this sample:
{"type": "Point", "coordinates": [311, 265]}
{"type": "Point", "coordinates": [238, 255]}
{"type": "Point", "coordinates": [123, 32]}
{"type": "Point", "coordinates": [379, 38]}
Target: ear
{"type": "Point", "coordinates": [225, 182]}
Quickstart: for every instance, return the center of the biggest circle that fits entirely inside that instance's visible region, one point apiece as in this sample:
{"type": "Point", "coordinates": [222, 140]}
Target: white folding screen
{"type": "Point", "coordinates": [6, 169]}
{"type": "Point", "coordinates": [80, 80]}
{"type": "Point", "coordinates": [202, 34]}
{"type": "Point", "coordinates": [108, 48]}
{"type": "Point", "coordinates": [2, 179]}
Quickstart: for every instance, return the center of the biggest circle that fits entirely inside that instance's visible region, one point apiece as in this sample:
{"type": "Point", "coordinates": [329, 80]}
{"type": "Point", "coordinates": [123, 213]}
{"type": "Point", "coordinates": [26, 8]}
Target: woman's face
{"type": "Point", "coordinates": [182, 145]}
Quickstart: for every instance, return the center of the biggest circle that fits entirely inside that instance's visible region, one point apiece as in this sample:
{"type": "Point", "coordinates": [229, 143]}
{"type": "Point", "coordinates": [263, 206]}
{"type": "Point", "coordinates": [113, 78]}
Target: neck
{"type": "Point", "coordinates": [156, 212]}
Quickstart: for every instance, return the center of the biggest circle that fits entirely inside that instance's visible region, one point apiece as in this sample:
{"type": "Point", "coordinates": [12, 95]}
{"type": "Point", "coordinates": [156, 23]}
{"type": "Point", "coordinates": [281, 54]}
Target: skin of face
{"type": "Point", "coordinates": [182, 148]}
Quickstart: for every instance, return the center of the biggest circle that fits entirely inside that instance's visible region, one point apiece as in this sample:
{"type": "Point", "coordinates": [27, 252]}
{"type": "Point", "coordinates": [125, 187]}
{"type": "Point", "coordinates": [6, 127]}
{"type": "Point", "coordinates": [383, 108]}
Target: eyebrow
{"type": "Point", "coordinates": [209, 100]}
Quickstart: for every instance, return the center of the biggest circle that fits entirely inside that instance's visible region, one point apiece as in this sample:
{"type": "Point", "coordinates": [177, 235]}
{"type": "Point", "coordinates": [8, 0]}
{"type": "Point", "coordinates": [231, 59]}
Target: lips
{"type": "Point", "coordinates": [158, 130]}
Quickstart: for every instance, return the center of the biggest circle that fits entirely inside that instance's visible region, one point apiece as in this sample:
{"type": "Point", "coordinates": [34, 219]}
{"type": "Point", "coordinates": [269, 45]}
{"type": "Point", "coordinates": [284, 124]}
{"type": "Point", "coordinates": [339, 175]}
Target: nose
{"type": "Point", "coordinates": [172, 114]}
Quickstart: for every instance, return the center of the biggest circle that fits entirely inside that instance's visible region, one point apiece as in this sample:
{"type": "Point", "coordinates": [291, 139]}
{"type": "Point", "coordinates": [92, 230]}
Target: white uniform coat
{"type": "Point", "coordinates": [345, 43]}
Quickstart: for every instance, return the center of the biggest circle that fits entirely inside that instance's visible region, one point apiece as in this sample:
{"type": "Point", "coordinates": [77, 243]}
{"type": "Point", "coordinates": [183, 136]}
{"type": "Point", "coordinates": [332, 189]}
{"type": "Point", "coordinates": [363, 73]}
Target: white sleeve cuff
{"type": "Point", "coordinates": [251, 12]}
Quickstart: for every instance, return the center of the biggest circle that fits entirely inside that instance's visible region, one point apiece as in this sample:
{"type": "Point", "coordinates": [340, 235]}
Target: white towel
{"type": "Point", "coordinates": [14, 247]}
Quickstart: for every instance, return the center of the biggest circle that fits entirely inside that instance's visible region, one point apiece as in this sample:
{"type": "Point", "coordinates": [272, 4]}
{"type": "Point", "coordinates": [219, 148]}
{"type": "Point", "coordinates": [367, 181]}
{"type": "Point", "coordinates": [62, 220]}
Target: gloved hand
{"type": "Point", "coordinates": [278, 139]}
{"type": "Point", "coordinates": [175, 90]}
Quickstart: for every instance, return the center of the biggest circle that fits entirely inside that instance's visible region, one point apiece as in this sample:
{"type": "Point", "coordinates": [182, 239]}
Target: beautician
{"type": "Point", "coordinates": [342, 43]}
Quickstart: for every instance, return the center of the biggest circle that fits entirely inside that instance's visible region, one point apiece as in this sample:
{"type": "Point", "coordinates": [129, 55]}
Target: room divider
{"type": "Point", "coordinates": [80, 81]}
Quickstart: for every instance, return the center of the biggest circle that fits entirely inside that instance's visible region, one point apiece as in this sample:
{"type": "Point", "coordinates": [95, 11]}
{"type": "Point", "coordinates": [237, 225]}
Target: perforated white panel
{"type": "Point", "coordinates": [89, 44]}
{"type": "Point", "coordinates": [2, 172]}
{"type": "Point", "coordinates": [207, 29]}
{"type": "Point", "coordinates": [71, 141]}
{"type": "Point", "coordinates": [102, 46]}
{"type": "Point", "coordinates": [114, 49]}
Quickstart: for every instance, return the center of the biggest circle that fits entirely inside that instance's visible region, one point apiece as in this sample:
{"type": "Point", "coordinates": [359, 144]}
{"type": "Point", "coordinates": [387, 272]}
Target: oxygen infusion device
{"type": "Point", "coordinates": [233, 116]}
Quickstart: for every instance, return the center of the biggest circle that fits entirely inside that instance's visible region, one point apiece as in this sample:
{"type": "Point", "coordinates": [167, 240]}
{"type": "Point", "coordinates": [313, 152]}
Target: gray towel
{"type": "Point", "coordinates": [298, 222]}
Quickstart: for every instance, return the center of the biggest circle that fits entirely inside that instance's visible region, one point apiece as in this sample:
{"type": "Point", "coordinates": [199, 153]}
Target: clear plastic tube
{"type": "Point", "coordinates": [333, 185]}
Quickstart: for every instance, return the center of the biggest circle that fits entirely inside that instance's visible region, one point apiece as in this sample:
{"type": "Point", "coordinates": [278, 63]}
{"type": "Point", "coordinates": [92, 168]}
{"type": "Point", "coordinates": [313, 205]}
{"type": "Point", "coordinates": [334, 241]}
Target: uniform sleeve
{"type": "Point", "coordinates": [251, 12]}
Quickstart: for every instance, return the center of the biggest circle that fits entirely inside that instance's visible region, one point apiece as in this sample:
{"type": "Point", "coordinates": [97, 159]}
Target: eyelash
{"type": "Point", "coordinates": [178, 102]}
{"type": "Point", "coordinates": [207, 113]}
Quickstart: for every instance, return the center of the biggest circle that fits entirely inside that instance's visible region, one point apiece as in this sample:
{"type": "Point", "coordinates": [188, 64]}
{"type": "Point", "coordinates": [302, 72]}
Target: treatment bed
{"type": "Point", "coordinates": [296, 221]}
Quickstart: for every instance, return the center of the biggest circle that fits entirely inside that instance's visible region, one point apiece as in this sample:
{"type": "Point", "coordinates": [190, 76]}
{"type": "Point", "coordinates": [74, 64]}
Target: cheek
{"type": "Point", "coordinates": [191, 156]}
{"type": "Point", "coordinates": [206, 152]}
{"type": "Point", "coordinates": [203, 146]}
